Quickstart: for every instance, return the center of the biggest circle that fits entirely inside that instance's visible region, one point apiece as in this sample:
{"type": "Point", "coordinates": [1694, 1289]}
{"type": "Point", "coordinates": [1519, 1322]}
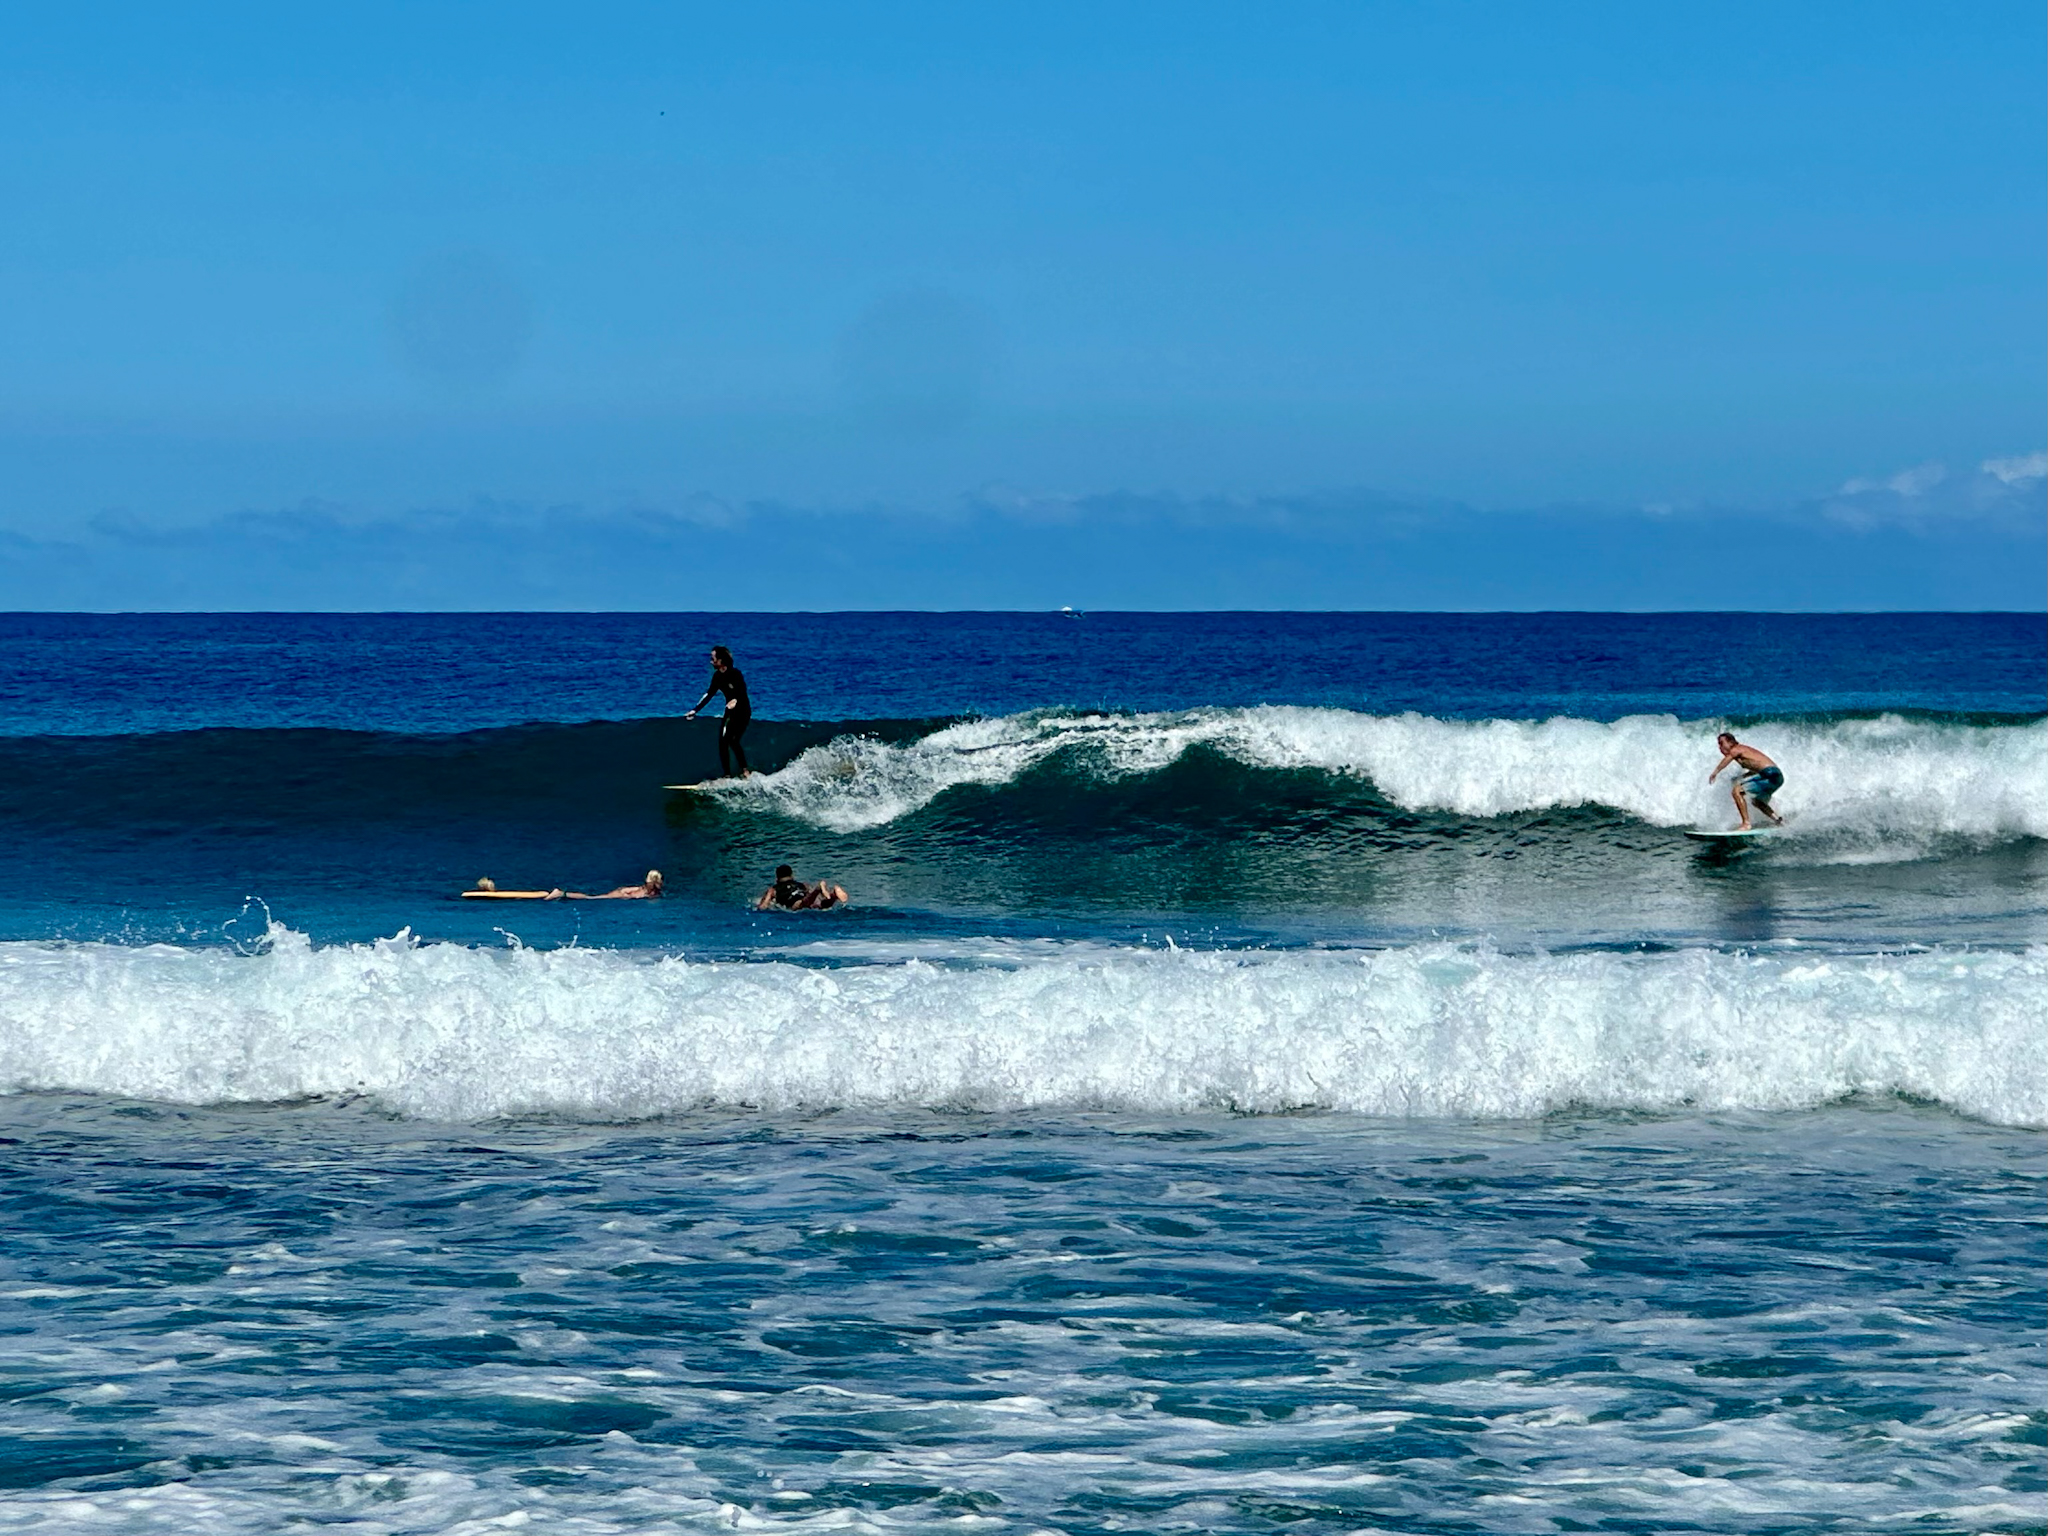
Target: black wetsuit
{"type": "Point", "coordinates": [793, 895]}
{"type": "Point", "coordinates": [737, 713]}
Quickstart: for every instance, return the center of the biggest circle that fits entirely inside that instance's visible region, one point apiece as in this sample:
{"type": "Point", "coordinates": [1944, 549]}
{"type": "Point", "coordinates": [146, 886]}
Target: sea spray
{"type": "Point", "coordinates": [1882, 777]}
{"type": "Point", "coordinates": [442, 1031]}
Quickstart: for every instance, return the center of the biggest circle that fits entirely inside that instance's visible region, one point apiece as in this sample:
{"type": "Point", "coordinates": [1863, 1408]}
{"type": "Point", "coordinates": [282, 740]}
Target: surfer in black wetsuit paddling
{"type": "Point", "coordinates": [726, 679]}
{"type": "Point", "coordinates": [794, 895]}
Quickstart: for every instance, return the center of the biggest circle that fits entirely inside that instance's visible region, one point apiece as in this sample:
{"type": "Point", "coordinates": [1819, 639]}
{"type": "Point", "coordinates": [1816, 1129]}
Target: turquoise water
{"type": "Point", "coordinates": [1323, 1092]}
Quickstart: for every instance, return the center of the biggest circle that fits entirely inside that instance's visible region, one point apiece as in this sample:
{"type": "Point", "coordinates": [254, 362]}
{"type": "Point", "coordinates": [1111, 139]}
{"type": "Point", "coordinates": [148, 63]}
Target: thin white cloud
{"type": "Point", "coordinates": [1917, 481]}
{"type": "Point", "coordinates": [1971, 539]}
{"type": "Point", "coordinates": [2025, 466]}
{"type": "Point", "coordinates": [2004, 490]}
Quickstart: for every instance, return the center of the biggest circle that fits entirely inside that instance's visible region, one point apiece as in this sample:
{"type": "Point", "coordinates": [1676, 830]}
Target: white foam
{"type": "Point", "coordinates": [1878, 779]}
{"type": "Point", "coordinates": [445, 1032]}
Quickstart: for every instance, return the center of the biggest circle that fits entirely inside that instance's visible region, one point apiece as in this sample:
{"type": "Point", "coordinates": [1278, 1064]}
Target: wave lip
{"type": "Point", "coordinates": [1883, 778]}
{"type": "Point", "coordinates": [443, 1032]}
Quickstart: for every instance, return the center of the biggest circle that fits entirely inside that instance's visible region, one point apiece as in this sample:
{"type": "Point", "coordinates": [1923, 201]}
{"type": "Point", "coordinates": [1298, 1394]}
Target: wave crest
{"type": "Point", "coordinates": [1887, 777]}
{"type": "Point", "coordinates": [445, 1032]}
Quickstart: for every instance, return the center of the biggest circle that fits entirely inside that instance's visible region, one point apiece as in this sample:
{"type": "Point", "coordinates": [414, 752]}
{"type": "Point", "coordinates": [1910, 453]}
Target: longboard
{"type": "Point", "coordinates": [1733, 834]}
{"type": "Point", "coordinates": [506, 895]}
{"type": "Point", "coordinates": [694, 788]}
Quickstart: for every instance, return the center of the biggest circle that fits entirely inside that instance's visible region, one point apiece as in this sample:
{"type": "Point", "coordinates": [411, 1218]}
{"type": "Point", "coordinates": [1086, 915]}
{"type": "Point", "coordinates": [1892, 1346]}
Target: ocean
{"type": "Point", "coordinates": [1278, 1072]}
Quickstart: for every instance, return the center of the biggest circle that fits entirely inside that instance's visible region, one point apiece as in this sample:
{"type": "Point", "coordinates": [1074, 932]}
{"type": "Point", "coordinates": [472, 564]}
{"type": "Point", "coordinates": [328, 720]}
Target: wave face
{"type": "Point", "coordinates": [238, 780]}
{"type": "Point", "coordinates": [446, 1032]}
{"type": "Point", "coordinates": [1887, 777]}
{"type": "Point", "coordinates": [1312, 822]}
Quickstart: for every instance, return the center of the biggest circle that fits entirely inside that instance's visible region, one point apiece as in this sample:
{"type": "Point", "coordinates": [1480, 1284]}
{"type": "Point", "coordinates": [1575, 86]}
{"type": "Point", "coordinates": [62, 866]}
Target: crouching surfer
{"type": "Point", "coordinates": [1753, 786]}
{"type": "Point", "coordinates": [790, 894]}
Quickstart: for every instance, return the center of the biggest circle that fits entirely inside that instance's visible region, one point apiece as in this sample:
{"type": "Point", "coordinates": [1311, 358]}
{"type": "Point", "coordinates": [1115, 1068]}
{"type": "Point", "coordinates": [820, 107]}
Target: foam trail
{"type": "Point", "coordinates": [445, 1032]}
{"type": "Point", "coordinates": [1881, 778]}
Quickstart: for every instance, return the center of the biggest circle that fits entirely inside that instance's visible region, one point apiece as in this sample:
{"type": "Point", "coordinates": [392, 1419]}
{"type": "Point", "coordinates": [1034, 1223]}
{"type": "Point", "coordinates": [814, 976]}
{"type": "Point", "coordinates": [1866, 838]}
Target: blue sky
{"type": "Point", "coordinates": [1152, 305]}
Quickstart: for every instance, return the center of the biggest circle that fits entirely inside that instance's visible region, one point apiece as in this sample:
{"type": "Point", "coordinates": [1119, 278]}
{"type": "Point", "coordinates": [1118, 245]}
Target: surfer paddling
{"type": "Point", "coordinates": [646, 890]}
{"type": "Point", "coordinates": [487, 890]}
{"type": "Point", "coordinates": [790, 894]}
{"type": "Point", "coordinates": [727, 679]}
{"type": "Point", "coordinates": [1758, 780]}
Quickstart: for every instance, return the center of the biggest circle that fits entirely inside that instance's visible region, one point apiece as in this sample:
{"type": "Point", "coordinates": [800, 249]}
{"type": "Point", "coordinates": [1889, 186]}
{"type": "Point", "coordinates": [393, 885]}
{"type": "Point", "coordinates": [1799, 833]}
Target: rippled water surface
{"type": "Point", "coordinates": [247, 1319]}
{"type": "Point", "coordinates": [1280, 1072]}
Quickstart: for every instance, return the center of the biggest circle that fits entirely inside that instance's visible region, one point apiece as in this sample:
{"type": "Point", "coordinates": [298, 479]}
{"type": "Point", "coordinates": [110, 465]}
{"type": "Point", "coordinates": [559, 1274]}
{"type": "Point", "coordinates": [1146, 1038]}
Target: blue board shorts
{"type": "Point", "coordinates": [1762, 784]}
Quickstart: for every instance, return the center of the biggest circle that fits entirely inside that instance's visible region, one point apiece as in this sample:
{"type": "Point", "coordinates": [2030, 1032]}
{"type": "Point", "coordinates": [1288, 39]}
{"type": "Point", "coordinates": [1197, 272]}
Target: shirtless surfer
{"type": "Point", "coordinates": [487, 890]}
{"type": "Point", "coordinates": [793, 895]}
{"type": "Point", "coordinates": [647, 890]}
{"type": "Point", "coordinates": [1759, 779]}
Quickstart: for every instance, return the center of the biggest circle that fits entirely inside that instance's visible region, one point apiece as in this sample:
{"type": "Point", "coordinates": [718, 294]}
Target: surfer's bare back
{"type": "Point", "coordinates": [1759, 780]}
{"type": "Point", "coordinates": [644, 891]}
{"type": "Point", "coordinates": [487, 890]}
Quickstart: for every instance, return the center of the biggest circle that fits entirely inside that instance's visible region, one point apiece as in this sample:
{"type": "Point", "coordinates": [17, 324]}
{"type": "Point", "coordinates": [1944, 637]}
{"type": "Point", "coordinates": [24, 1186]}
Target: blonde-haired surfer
{"type": "Point", "coordinates": [487, 889]}
{"type": "Point", "coordinates": [647, 888]}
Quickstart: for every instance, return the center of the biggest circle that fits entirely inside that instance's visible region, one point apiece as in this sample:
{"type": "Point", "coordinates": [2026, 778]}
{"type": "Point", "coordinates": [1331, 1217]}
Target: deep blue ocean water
{"type": "Point", "coordinates": [1278, 1072]}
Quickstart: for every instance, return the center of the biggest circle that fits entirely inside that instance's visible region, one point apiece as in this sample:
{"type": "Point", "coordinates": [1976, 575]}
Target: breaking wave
{"type": "Point", "coordinates": [445, 1032]}
{"type": "Point", "coordinates": [1884, 777]}
{"type": "Point", "coordinates": [1878, 779]}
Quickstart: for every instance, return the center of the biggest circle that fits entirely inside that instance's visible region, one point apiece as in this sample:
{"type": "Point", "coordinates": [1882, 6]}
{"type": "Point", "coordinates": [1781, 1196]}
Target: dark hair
{"type": "Point", "coordinates": [784, 872]}
{"type": "Point", "coordinates": [720, 653]}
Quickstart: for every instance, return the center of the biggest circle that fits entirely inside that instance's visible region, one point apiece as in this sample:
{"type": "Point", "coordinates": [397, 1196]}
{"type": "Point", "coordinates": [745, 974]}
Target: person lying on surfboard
{"type": "Point", "coordinates": [1759, 780]}
{"type": "Point", "coordinates": [644, 891]}
{"type": "Point", "coordinates": [793, 895]}
{"type": "Point", "coordinates": [487, 889]}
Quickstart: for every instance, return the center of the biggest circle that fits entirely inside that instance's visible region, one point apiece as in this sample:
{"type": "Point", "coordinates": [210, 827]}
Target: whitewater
{"type": "Point", "coordinates": [1886, 777]}
{"type": "Point", "coordinates": [448, 1032]}
{"type": "Point", "coordinates": [1279, 1072]}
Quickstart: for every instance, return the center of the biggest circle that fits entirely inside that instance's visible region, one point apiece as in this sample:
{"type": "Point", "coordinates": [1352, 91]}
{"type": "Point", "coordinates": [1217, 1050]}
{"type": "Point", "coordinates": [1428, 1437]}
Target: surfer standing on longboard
{"type": "Point", "coordinates": [1760, 779]}
{"type": "Point", "coordinates": [726, 679]}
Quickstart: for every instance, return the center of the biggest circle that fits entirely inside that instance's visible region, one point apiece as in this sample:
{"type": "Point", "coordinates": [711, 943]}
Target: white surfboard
{"type": "Point", "coordinates": [693, 788]}
{"type": "Point", "coordinates": [1731, 835]}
